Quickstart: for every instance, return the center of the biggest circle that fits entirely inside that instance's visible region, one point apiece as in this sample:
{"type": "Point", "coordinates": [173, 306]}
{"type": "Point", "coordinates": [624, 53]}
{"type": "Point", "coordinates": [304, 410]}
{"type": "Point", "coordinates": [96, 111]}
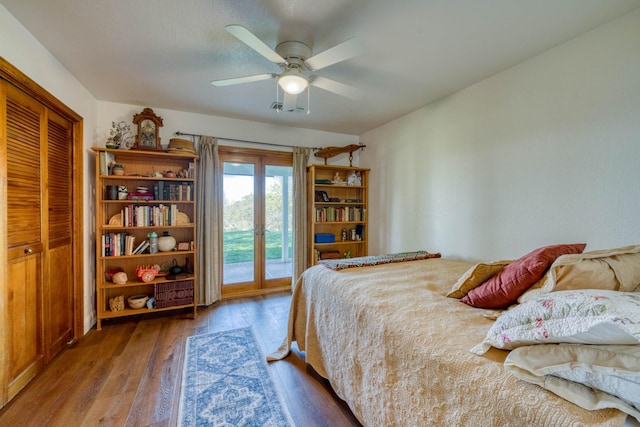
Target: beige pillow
{"type": "Point", "coordinates": [612, 269]}
{"type": "Point", "coordinates": [475, 276]}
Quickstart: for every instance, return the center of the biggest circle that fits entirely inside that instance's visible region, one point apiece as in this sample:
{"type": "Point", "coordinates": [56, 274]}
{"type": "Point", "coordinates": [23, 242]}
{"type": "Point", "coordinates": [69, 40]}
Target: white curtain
{"type": "Point", "coordinates": [300, 237]}
{"type": "Point", "coordinates": [209, 222]}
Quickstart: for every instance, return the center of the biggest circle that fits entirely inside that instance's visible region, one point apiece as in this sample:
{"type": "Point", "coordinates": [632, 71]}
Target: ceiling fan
{"type": "Point", "coordinates": [296, 61]}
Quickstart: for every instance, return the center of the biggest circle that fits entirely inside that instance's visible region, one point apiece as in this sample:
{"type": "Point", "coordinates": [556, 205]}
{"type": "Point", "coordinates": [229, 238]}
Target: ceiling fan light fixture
{"type": "Point", "coordinates": [293, 82]}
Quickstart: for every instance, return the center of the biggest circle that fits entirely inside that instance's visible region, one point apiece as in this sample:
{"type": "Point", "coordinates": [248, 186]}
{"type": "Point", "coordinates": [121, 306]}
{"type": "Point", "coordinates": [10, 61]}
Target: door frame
{"type": "Point", "coordinates": [258, 286]}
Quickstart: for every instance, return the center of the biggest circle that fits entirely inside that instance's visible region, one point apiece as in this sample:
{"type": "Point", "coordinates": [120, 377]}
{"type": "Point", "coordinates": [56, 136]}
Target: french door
{"type": "Point", "coordinates": [257, 221]}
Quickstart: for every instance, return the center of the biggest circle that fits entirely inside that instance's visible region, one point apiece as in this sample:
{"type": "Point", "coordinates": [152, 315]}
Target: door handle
{"type": "Point", "coordinates": [259, 230]}
{"type": "Point", "coordinates": [28, 251]}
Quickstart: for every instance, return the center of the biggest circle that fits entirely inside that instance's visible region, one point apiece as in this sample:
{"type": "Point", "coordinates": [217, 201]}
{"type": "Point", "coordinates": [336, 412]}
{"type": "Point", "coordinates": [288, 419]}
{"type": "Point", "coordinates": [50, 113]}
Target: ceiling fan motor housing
{"type": "Point", "coordinates": [294, 52]}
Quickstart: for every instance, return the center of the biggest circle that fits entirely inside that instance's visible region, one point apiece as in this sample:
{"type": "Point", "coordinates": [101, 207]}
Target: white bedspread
{"type": "Point", "coordinates": [397, 351]}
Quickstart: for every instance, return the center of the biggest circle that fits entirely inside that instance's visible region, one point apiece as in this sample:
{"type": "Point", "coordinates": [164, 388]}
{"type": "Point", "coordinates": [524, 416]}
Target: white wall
{"type": "Point", "coordinates": [545, 152]}
{"type": "Point", "coordinates": [23, 51]}
{"type": "Point", "coordinates": [201, 124]}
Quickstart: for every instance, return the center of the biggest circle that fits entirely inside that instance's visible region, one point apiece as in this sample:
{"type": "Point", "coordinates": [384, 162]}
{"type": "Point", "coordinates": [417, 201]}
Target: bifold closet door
{"type": "Point", "coordinates": [41, 229]}
{"type": "Point", "coordinates": [25, 352]}
{"type": "Point", "coordinates": [58, 283]}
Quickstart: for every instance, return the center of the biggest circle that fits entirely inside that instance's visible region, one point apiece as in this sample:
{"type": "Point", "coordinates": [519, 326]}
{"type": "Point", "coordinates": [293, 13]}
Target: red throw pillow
{"type": "Point", "coordinates": [504, 288]}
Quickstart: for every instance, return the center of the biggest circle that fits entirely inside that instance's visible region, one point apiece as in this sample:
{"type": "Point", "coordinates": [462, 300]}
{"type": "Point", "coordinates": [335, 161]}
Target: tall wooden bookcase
{"type": "Point", "coordinates": [159, 197]}
{"type": "Point", "coordinates": [337, 212]}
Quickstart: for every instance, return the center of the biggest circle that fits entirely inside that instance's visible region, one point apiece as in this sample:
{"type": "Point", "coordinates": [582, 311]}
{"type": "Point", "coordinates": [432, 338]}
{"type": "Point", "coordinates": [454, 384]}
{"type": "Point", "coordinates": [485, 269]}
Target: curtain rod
{"type": "Point", "coordinates": [243, 140]}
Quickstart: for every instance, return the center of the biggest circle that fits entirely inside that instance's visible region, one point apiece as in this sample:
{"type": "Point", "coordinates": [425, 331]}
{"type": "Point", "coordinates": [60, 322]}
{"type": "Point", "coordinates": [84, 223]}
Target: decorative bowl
{"type": "Point", "coordinates": [120, 278]}
{"type": "Point", "coordinates": [137, 301]}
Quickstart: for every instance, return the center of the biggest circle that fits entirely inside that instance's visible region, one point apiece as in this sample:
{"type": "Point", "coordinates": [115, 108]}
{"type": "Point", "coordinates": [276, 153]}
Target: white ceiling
{"type": "Point", "coordinates": [164, 53]}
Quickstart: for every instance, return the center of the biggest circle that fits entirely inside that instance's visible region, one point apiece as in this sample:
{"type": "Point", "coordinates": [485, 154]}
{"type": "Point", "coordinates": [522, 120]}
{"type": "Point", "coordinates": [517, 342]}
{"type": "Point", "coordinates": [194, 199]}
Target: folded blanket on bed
{"type": "Point", "coordinates": [339, 264]}
{"type": "Point", "coordinates": [591, 376]}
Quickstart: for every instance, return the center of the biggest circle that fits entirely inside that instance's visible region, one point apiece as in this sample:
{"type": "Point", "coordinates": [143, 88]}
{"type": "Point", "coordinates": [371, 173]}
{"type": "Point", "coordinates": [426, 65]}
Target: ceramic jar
{"type": "Point", "coordinates": [176, 269]}
{"type": "Point", "coordinates": [166, 242]}
{"type": "Point", "coordinates": [117, 169]}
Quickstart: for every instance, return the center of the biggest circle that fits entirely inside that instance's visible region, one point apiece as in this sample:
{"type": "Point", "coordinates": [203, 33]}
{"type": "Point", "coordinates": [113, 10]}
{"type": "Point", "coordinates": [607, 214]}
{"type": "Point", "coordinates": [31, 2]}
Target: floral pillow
{"type": "Point", "coordinates": [586, 316]}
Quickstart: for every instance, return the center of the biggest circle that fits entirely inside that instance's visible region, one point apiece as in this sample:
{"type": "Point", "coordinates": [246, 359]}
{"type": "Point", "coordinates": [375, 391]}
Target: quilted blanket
{"type": "Point", "coordinates": [339, 264]}
{"type": "Point", "coordinates": [396, 349]}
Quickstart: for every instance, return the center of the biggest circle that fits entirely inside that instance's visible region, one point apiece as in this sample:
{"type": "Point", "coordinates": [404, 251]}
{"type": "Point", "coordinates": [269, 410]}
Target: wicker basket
{"type": "Point", "coordinates": [116, 303]}
{"type": "Point", "coordinates": [177, 145]}
{"type": "Point", "coordinates": [172, 294]}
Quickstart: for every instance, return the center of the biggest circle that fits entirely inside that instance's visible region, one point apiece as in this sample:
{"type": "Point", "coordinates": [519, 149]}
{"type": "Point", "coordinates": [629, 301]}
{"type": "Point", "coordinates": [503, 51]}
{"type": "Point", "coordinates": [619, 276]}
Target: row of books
{"type": "Point", "coordinates": [118, 244]}
{"type": "Point", "coordinates": [149, 216]}
{"type": "Point", "coordinates": [167, 191]}
{"type": "Point", "coordinates": [340, 214]}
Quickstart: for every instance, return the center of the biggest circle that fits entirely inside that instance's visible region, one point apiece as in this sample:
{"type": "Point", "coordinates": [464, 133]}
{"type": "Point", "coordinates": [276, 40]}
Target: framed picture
{"type": "Point", "coordinates": [184, 246]}
{"type": "Point", "coordinates": [322, 196]}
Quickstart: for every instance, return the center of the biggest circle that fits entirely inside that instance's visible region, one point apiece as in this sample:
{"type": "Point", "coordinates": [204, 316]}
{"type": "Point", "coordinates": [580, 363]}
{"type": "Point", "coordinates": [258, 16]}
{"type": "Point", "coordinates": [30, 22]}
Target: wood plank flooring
{"type": "Point", "coordinates": [130, 372]}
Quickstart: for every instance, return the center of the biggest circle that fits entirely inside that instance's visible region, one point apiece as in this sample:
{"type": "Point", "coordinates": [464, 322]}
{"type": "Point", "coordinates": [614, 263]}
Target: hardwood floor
{"type": "Point", "coordinates": [130, 372]}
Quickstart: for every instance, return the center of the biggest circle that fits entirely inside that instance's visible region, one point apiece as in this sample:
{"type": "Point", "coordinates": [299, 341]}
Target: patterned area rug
{"type": "Point", "coordinates": [226, 382]}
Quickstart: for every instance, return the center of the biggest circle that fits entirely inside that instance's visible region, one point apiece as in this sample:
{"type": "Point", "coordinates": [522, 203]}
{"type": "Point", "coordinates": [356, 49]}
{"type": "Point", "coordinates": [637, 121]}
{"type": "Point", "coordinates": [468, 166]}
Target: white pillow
{"type": "Point", "coordinates": [584, 316]}
{"type": "Point", "coordinates": [591, 376]}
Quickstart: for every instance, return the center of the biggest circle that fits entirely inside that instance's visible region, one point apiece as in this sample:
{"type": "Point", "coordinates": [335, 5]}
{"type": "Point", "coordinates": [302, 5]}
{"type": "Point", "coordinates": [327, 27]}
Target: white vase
{"type": "Point", "coordinates": [166, 242]}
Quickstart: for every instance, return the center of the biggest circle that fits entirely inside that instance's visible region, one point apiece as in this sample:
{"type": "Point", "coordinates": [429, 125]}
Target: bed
{"type": "Point", "coordinates": [396, 349]}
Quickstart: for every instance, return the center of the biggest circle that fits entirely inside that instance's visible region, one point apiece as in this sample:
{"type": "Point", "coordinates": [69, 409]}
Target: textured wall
{"type": "Point", "coordinates": [542, 153]}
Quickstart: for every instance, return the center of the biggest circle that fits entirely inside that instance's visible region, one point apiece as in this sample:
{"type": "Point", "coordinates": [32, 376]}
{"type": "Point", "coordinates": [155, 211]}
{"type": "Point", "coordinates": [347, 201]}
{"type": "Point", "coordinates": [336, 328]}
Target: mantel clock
{"type": "Point", "coordinates": [149, 125]}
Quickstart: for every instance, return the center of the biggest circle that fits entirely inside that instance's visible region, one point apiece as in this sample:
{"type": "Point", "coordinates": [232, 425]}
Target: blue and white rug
{"type": "Point", "coordinates": [226, 382]}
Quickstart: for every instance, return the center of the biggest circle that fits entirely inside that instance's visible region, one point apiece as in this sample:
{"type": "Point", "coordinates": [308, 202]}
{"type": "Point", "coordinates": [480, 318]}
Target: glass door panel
{"type": "Point", "coordinates": [239, 239]}
{"type": "Point", "coordinates": [278, 236]}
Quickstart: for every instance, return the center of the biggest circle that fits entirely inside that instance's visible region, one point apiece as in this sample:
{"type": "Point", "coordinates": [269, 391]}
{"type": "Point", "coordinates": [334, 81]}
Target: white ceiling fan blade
{"type": "Point", "coordinates": [290, 102]}
{"type": "Point", "coordinates": [345, 50]}
{"type": "Point", "coordinates": [246, 79]}
{"type": "Point", "coordinates": [337, 87]}
{"type": "Point", "coordinates": [248, 38]}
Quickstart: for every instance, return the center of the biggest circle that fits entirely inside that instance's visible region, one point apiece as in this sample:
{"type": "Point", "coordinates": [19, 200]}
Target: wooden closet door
{"type": "Point", "coordinates": [59, 248]}
{"type": "Point", "coordinates": [25, 121]}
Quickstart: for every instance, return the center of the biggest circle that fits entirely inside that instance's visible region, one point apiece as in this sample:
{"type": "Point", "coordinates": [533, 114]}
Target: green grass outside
{"type": "Point", "coordinates": [238, 246]}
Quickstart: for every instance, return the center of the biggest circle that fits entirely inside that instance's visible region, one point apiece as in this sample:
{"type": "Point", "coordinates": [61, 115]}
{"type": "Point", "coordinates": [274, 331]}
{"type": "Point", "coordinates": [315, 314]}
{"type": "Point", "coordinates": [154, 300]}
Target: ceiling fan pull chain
{"type": "Point", "coordinates": [308, 100]}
